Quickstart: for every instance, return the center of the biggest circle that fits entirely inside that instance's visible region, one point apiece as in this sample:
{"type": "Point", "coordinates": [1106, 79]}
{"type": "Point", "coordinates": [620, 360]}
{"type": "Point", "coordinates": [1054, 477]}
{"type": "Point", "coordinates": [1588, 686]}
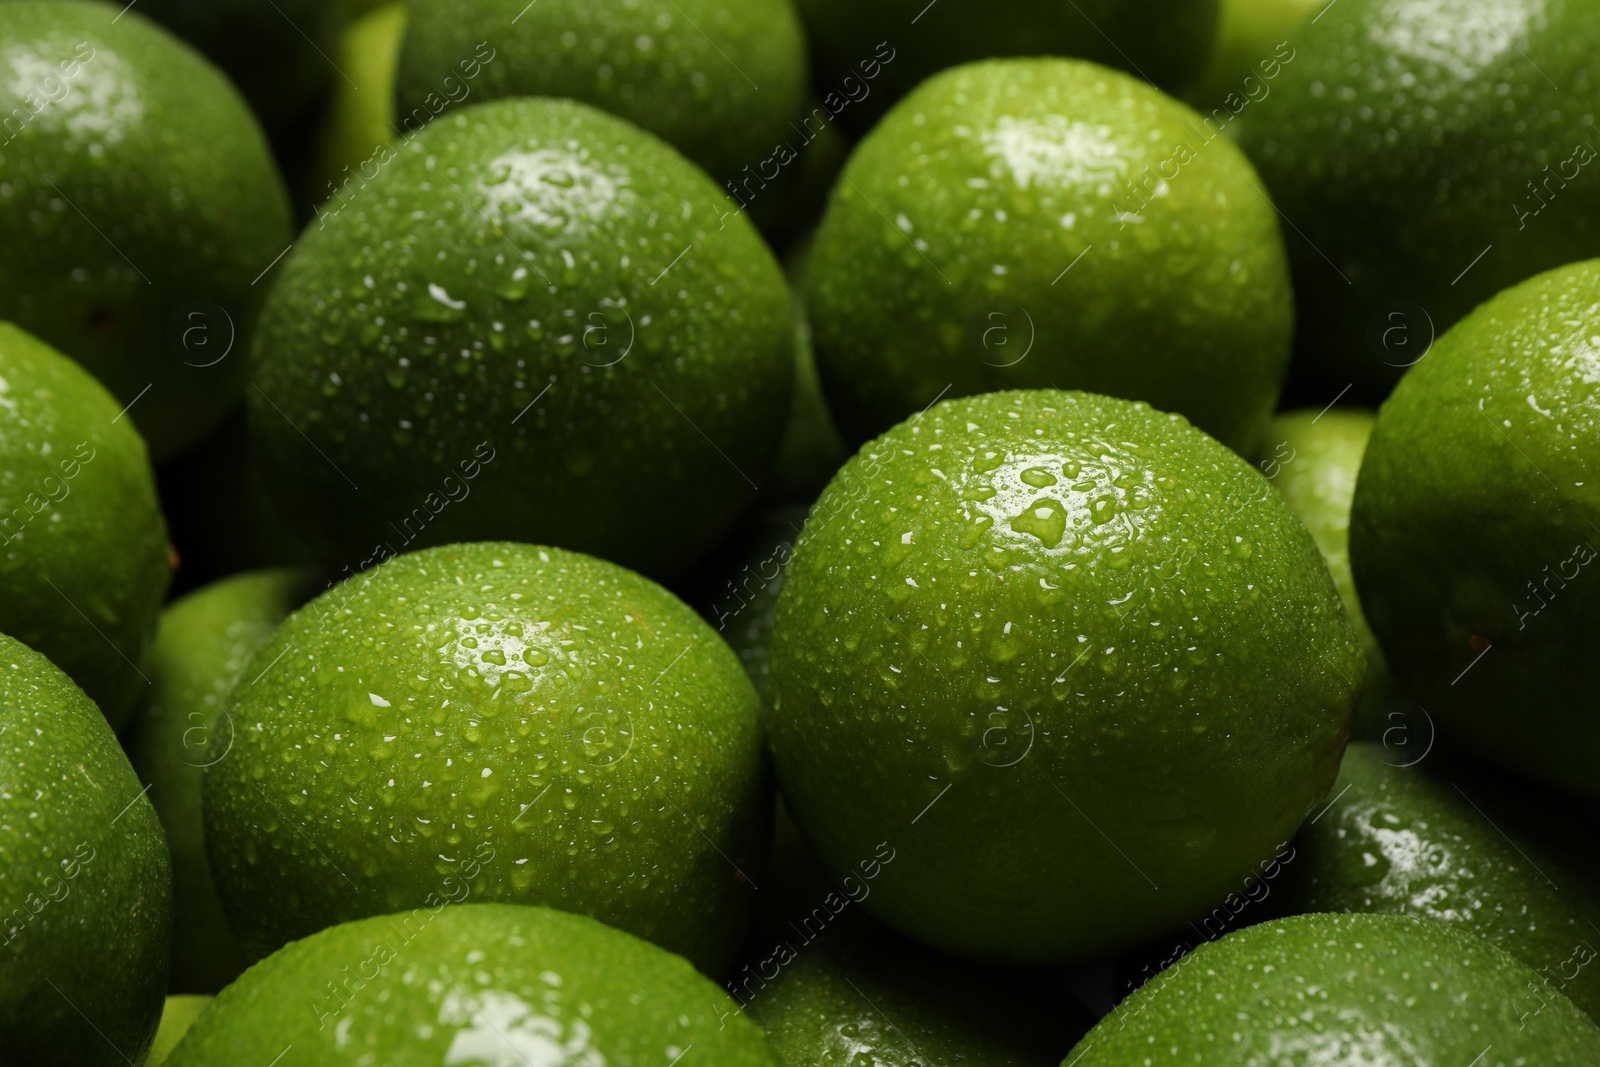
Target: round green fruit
{"type": "Point", "coordinates": [1048, 222]}
{"type": "Point", "coordinates": [203, 644]}
{"type": "Point", "coordinates": [498, 722]}
{"type": "Point", "coordinates": [1313, 459]}
{"type": "Point", "coordinates": [1476, 525]}
{"type": "Point", "coordinates": [870, 55]}
{"type": "Point", "coordinates": [1437, 840]}
{"type": "Point", "coordinates": [1430, 155]}
{"type": "Point", "coordinates": [276, 53]}
{"type": "Point", "coordinates": [874, 998]}
{"type": "Point", "coordinates": [1342, 989]}
{"type": "Point", "coordinates": [719, 80]}
{"type": "Point", "coordinates": [475, 984]}
{"type": "Point", "coordinates": [85, 888]}
{"type": "Point", "coordinates": [360, 117]}
{"type": "Point", "coordinates": [1020, 635]}
{"type": "Point", "coordinates": [83, 549]}
{"type": "Point", "coordinates": [535, 322]}
{"type": "Point", "coordinates": [138, 208]}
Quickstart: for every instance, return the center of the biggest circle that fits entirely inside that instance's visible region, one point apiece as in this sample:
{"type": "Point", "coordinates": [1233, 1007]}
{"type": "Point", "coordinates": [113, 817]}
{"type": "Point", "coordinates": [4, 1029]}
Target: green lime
{"type": "Point", "coordinates": [874, 998]}
{"type": "Point", "coordinates": [1344, 989]}
{"type": "Point", "coordinates": [1429, 155]}
{"type": "Point", "coordinates": [1313, 458]}
{"type": "Point", "coordinates": [278, 53]}
{"type": "Point", "coordinates": [85, 886]}
{"type": "Point", "coordinates": [1437, 840]}
{"type": "Point", "coordinates": [870, 55]}
{"type": "Point", "coordinates": [179, 1014]}
{"type": "Point", "coordinates": [138, 208]}
{"type": "Point", "coordinates": [493, 722]}
{"type": "Point", "coordinates": [1251, 49]}
{"type": "Point", "coordinates": [489, 984]}
{"type": "Point", "coordinates": [1019, 638]}
{"type": "Point", "coordinates": [1048, 222]}
{"type": "Point", "coordinates": [83, 549]}
{"type": "Point", "coordinates": [719, 80]}
{"type": "Point", "coordinates": [534, 322]}
{"type": "Point", "coordinates": [204, 642]}
{"type": "Point", "coordinates": [360, 117]}
{"type": "Point", "coordinates": [1474, 530]}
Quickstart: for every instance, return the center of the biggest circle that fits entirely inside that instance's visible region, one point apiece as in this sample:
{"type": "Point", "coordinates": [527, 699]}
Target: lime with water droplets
{"type": "Point", "coordinates": [83, 548]}
{"type": "Point", "coordinates": [1344, 989]}
{"type": "Point", "coordinates": [85, 884]}
{"type": "Point", "coordinates": [1049, 222]}
{"type": "Point", "coordinates": [535, 322]}
{"type": "Point", "coordinates": [493, 722]}
{"type": "Point", "coordinates": [1073, 659]}
{"type": "Point", "coordinates": [488, 984]}
{"type": "Point", "coordinates": [139, 207]}
{"type": "Point", "coordinates": [1476, 526]}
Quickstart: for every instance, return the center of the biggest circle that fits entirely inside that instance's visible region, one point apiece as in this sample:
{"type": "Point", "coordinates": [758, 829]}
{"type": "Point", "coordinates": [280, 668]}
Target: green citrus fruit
{"type": "Point", "coordinates": [83, 549]}
{"type": "Point", "coordinates": [1476, 526]}
{"type": "Point", "coordinates": [476, 984]}
{"type": "Point", "coordinates": [874, 998]}
{"type": "Point", "coordinates": [1430, 155]}
{"type": "Point", "coordinates": [1343, 989]}
{"type": "Point", "coordinates": [534, 322]}
{"type": "Point", "coordinates": [495, 722]}
{"type": "Point", "coordinates": [1440, 841]}
{"type": "Point", "coordinates": [1018, 638]}
{"type": "Point", "coordinates": [870, 55]}
{"type": "Point", "coordinates": [720, 80]}
{"type": "Point", "coordinates": [85, 886]}
{"type": "Point", "coordinates": [1313, 458]}
{"type": "Point", "coordinates": [138, 207]}
{"type": "Point", "coordinates": [177, 1016]}
{"type": "Point", "coordinates": [1032, 223]}
{"type": "Point", "coordinates": [278, 53]}
{"type": "Point", "coordinates": [203, 644]}
{"type": "Point", "coordinates": [360, 117]}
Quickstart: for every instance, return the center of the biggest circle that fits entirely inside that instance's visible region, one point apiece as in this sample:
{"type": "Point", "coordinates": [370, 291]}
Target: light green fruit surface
{"type": "Point", "coordinates": [1314, 458]}
{"type": "Point", "coordinates": [1341, 989]}
{"type": "Point", "coordinates": [85, 889]}
{"type": "Point", "coordinates": [720, 80]}
{"type": "Point", "coordinates": [1440, 840]}
{"type": "Point", "coordinates": [1246, 55]}
{"type": "Point", "coordinates": [136, 193]}
{"type": "Point", "coordinates": [1475, 530]}
{"type": "Point", "coordinates": [1073, 659]}
{"type": "Point", "coordinates": [870, 55]}
{"type": "Point", "coordinates": [360, 117]}
{"type": "Point", "coordinates": [493, 722]}
{"type": "Point", "coordinates": [1430, 153]}
{"type": "Point", "coordinates": [177, 1016]}
{"type": "Point", "coordinates": [475, 984]}
{"type": "Point", "coordinates": [204, 642]}
{"type": "Point", "coordinates": [877, 999]}
{"type": "Point", "coordinates": [83, 548]}
{"type": "Point", "coordinates": [1049, 222]}
{"type": "Point", "coordinates": [533, 323]}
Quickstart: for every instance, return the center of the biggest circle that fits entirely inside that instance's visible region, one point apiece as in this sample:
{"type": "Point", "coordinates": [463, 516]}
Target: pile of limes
{"type": "Point", "coordinates": [785, 533]}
